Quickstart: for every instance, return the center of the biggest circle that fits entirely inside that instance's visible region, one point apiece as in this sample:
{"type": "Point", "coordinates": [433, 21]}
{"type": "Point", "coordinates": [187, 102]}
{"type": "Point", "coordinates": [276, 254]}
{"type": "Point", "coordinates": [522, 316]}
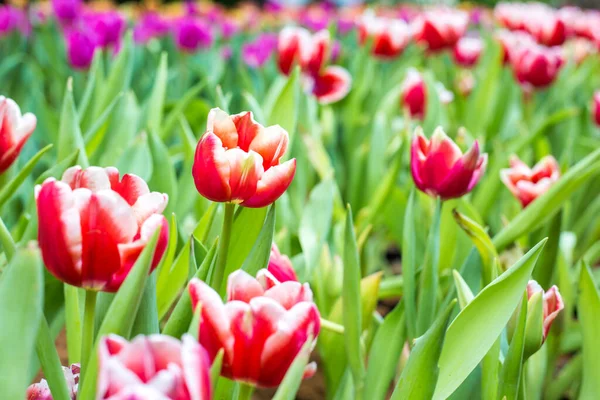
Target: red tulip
{"type": "Point", "coordinates": [293, 48]}
{"type": "Point", "coordinates": [440, 29]}
{"type": "Point", "coordinates": [512, 41]}
{"type": "Point", "coordinates": [153, 367]}
{"type": "Point", "coordinates": [467, 51]}
{"type": "Point", "coordinates": [389, 36]}
{"type": "Point", "coordinates": [439, 167]}
{"type": "Point", "coordinates": [15, 129]}
{"type": "Point", "coordinates": [93, 226]}
{"type": "Point", "coordinates": [544, 23]}
{"type": "Point", "coordinates": [414, 94]}
{"type": "Point", "coordinates": [280, 266]}
{"type": "Point", "coordinates": [596, 107]}
{"type": "Point", "coordinates": [237, 161]}
{"type": "Point", "coordinates": [527, 184]}
{"type": "Point", "coordinates": [261, 328]}
{"type": "Point", "coordinates": [553, 304]}
{"type": "Point", "coordinates": [318, 53]}
{"type": "Point", "coordinates": [332, 85]}
{"type": "Point", "coordinates": [511, 15]}
{"type": "Point", "coordinates": [537, 65]}
{"type": "Point", "coordinates": [41, 390]}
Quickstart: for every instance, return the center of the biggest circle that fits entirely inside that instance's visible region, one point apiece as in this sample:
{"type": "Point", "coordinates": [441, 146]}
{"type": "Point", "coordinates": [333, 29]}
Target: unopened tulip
{"type": "Point", "coordinates": [192, 34]}
{"type": "Point", "coordinates": [596, 107]}
{"type": "Point", "coordinates": [552, 302]}
{"type": "Point", "coordinates": [439, 167]}
{"type": "Point", "coordinates": [467, 51]}
{"type": "Point", "coordinates": [527, 184]}
{"type": "Point", "coordinates": [153, 367]}
{"type": "Point", "coordinates": [414, 94]}
{"type": "Point", "coordinates": [293, 48]}
{"type": "Point", "coordinates": [261, 328]}
{"type": "Point", "coordinates": [389, 36]}
{"type": "Point", "coordinates": [280, 266]}
{"type": "Point", "coordinates": [238, 161]}
{"type": "Point", "coordinates": [93, 225]}
{"type": "Point", "coordinates": [15, 129]}
{"type": "Point", "coordinates": [542, 310]}
{"type": "Point", "coordinates": [537, 65]}
{"type": "Point", "coordinates": [440, 29]}
{"type": "Point", "coordinates": [41, 390]}
{"type": "Point", "coordinates": [81, 45]}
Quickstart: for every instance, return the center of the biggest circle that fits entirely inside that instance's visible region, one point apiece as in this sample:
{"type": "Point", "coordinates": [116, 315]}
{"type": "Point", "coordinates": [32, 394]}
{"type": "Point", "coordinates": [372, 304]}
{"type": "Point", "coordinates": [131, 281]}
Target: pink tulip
{"type": "Point", "coordinates": [414, 94]}
{"type": "Point", "coordinates": [93, 225]}
{"type": "Point", "coordinates": [238, 161]}
{"type": "Point", "coordinates": [261, 328]}
{"type": "Point", "coordinates": [553, 304]}
{"type": "Point", "coordinates": [15, 129]}
{"type": "Point", "coordinates": [280, 266]}
{"type": "Point", "coordinates": [596, 107]}
{"type": "Point", "coordinates": [439, 167]}
{"type": "Point", "coordinates": [81, 45]}
{"type": "Point", "coordinates": [153, 367]}
{"type": "Point", "coordinates": [192, 34]}
{"type": "Point", "coordinates": [41, 390]}
{"type": "Point", "coordinates": [537, 65]}
{"type": "Point", "coordinates": [467, 51]}
{"type": "Point", "coordinates": [527, 184]}
{"type": "Point", "coordinates": [512, 41]}
{"type": "Point", "coordinates": [389, 36]}
{"type": "Point", "coordinates": [439, 29]}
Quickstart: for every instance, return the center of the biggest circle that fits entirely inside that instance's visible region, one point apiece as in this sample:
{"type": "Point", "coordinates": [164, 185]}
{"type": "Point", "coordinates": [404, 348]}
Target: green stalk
{"type": "Point", "coordinates": [245, 391]}
{"type": "Point", "coordinates": [73, 323]}
{"type": "Point", "coordinates": [217, 278]}
{"type": "Point", "coordinates": [50, 362]}
{"type": "Point", "coordinates": [87, 338]}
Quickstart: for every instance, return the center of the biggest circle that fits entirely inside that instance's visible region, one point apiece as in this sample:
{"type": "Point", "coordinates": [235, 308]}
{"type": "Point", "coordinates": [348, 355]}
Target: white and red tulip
{"type": "Point", "coordinates": [440, 29]}
{"type": "Point", "coordinates": [389, 36]}
{"type": "Point", "coordinates": [15, 129]}
{"type": "Point", "coordinates": [527, 184]}
{"type": "Point", "coordinates": [280, 266]}
{"type": "Point", "coordinates": [552, 305]}
{"type": "Point", "coordinates": [467, 51]}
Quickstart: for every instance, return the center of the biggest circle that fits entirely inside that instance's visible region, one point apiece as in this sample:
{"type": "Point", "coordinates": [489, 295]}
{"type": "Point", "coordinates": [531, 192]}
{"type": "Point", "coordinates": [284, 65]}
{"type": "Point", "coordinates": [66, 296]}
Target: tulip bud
{"type": "Point", "coordinates": [467, 51]}
{"type": "Point", "coordinates": [41, 390]}
{"type": "Point", "coordinates": [596, 107]}
{"type": "Point", "coordinates": [280, 266]}
{"type": "Point", "coordinates": [439, 167]}
{"type": "Point", "coordinates": [414, 94]}
{"type": "Point", "coordinates": [528, 184]}
{"type": "Point", "coordinates": [389, 36]}
{"type": "Point", "coordinates": [192, 34]}
{"type": "Point", "coordinates": [80, 48]}
{"type": "Point", "coordinates": [293, 48]}
{"type": "Point", "coordinates": [536, 65]}
{"type": "Point", "coordinates": [542, 309]}
{"type": "Point", "coordinates": [238, 161]}
{"type": "Point", "coordinates": [15, 129]}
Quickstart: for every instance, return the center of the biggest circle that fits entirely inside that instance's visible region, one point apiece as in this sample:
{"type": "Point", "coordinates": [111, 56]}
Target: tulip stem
{"type": "Point", "coordinates": [245, 391]}
{"type": "Point", "coordinates": [217, 278]}
{"type": "Point", "coordinates": [87, 339]}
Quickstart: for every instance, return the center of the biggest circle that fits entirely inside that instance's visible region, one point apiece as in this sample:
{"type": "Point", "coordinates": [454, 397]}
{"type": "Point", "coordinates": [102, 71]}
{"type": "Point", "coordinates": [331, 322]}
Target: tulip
{"type": "Point", "coordinates": [512, 41]}
{"type": "Point", "coordinates": [332, 85]}
{"type": "Point", "coordinates": [93, 226]}
{"type": "Point", "coordinates": [542, 310]}
{"type": "Point", "coordinates": [15, 129]}
{"type": "Point", "coordinates": [467, 51]}
{"type": "Point", "coordinates": [440, 29]}
{"type": "Point", "coordinates": [536, 65]}
{"type": "Point", "coordinates": [81, 46]}
{"type": "Point", "coordinates": [192, 34]}
{"type": "Point", "coordinates": [67, 11]}
{"type": "Point", "coordinates": [542, 22]}
{"type": "Point", "coordinates": [107, 28]}
{"type": "Point", "coordinates": [256, 53]}
{"type": "Point", "coordinates": [261, 328]}
{"type": "Point", "coordinates": [293, 48]}
{"type": "Point", "coordinates": [151, 25]}
{"type": "Point", "coordinates": [238, 161]}
{"type": "Point", "coordinates": [280, 266]}
{"type": "Point", "coordinates": [389, 36]}
{"type": "Point", "coordinates": [414, 94]}
{"type": "Point", "coordinates": [153, 367]}
{"type": "Point", "coordinates": [439, 168]}
{"type": "Point", "coordinates": [528, 184]}
{"type": "Point", "coordinates": [596, 107]}
{"type": "Point", "coordinates": [13, 19]}
{"type": "Point", "coordinates": [41, 390]}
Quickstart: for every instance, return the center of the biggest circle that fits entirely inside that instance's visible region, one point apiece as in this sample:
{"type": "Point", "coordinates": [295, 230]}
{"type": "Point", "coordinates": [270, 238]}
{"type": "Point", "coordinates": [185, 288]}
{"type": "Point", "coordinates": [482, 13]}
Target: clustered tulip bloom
{"type": "Point", "coordinates": [552, 305]}
{"type": "Point", "coordinates": [389, 36]}
{"type": "Point", "coordinates": [542, 22]}
{"type": "Point", "coordinates": [93, 225]}
{"type": "Point", "coordinates": [238, 161]}
{"type": "Point", "coordinates": [440, 29]}
{"type": "Point", "coordinates": [41, 390]}
{"type": "Point", "coordinates": [467, 51]}
{"type": "Point", "coordinates": [596, 107]}
{"type": "Point", "coordinates": [439, 167]}
{"type": "Point", "coordinates": [280, 266]}
{"type": "Point", "coordinates": [527, 184]}
{"type": "Point", "coordinates": [153, 367]}
{"type": "Point", "coordinates": [261, 328]}
{"type": "Point", "coordinates": [313, 52]}
{"type": "Point", "coordinates": [15, 129]}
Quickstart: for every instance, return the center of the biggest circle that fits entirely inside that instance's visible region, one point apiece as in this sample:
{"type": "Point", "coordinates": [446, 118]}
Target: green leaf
{"type": "Point", "coordinates": [261, 251]}
{"type": "Point", "coordinates": [316, 223]}
{"type": "Point", "coordinates": [73, 321]}
{"type": "Point", "coordinates": [94, 134]}
{"type": "Point", "coordinates": [420, 374]}
{"type": "Point", "coordinates": [58, 169]}
{"type": "Point", "coordinates": [50, 362]}
{"type": "Point", "coordinates": [171, 279]}
{"type": "Point", "coordinates": [465, 296]}
{"type": "Point", "coordinates": [409, 266]}
{"type": "Point", "coordinates": [513, 363]}
{"type": "Point", "coordinates": [254, 107]}
{"type": "Point", "coordinates": [157, 97]}
{"type": "Point", "coordinates": [588, 311]}
{"type": "Point", "coordinates": [22, 285]}
{"type": "Point", "coordinates": [385, 353]}
{"type": "Point", "coordinates": [137, 158]}
{"type": "Point", "coordinates": [146, 319]}
{"type": "Point", "coordinates": [215, 368]}
{"type": "Point", "coordinates": [173, 117]}
{"type": "Point", "coordinates": [163, 178]}
{"type": "Point", "coordinates": [119, 78]}
{"type": "Point", "coordinates": [284, 111]}
{"type": "Point", "coordinates": [11, 187]}
{"type": "Point", "coordinates": [550, 202]}
{"type": "Point", "coordinates": [293, 377]}
{"type": "Point", "coordinates": [8, 244]}
{"type": "Point", "coordinates": [480, 323]}
{"type": "Point", "coordinates": [70, 138]}
{"type": "Point", "coordinates": [352, 315]}
{"type": "Point", "coordinates": [118, 318]}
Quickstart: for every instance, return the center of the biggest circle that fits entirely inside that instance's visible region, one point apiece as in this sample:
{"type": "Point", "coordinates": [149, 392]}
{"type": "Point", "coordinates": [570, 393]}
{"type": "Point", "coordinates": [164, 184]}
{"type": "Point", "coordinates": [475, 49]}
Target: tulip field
{"type": "Point", "coordinates": [299, 202]}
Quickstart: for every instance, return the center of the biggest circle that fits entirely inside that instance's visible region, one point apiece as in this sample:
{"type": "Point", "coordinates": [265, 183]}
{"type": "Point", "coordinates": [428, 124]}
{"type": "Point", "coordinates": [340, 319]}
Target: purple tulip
{"type": "Point", "coordinates": [108, 27]}
{"type": "Point", "coordinates": [80, 48]}
{"type": "Point", "coordinates": [192, 34]}
{"type": "Point", "coordinates": [256, 53]}
{"type": "Point", "coordinates": [13, 19]}
{"type": "Point", "coordinates": [67, 11]}
{"type": "Point", "coordinates": [150, 26]}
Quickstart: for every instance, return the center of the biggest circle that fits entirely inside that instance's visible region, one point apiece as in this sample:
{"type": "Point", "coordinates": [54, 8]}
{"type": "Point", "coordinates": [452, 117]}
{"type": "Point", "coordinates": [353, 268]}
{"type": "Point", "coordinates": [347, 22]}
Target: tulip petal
{"type": "Point", "coordinates": [222, 125]}
{"type": "Point", "coordinates": [247, 129]}
{"type": "Point", "coordinates": [272, 184]}
{"type": "Point", "coordinates": [553, 304]}
{"type": "Point", "coordinates": [211, 169]}
{"type": "Point", "coordinates": [290, 293]}
{"type": "Point", "coordinates": [271, 143]}
{"type": "Point", "coordinates": [242, 286]}
{"type": "Point", "coordinates": [418, 155]}
{"type": "Point", "coordinates": [131, 187]}
{"type": "Point", "coordinates": [292, 47]}
{"type": "Point", "coordinates": [92, 178]}
{"type": "Point", "coordinates": [443, 154]}
{"type": "Point", "coordinates": [148, 204]}
{"type": "Point", "coordinates": [457, 181]}
{"type": "Point", "coordinates": [245, 171]}
{"type": "Point", "coordinates": [332, 85]}
{"type": "Point", "coordinates": [196, 364]}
